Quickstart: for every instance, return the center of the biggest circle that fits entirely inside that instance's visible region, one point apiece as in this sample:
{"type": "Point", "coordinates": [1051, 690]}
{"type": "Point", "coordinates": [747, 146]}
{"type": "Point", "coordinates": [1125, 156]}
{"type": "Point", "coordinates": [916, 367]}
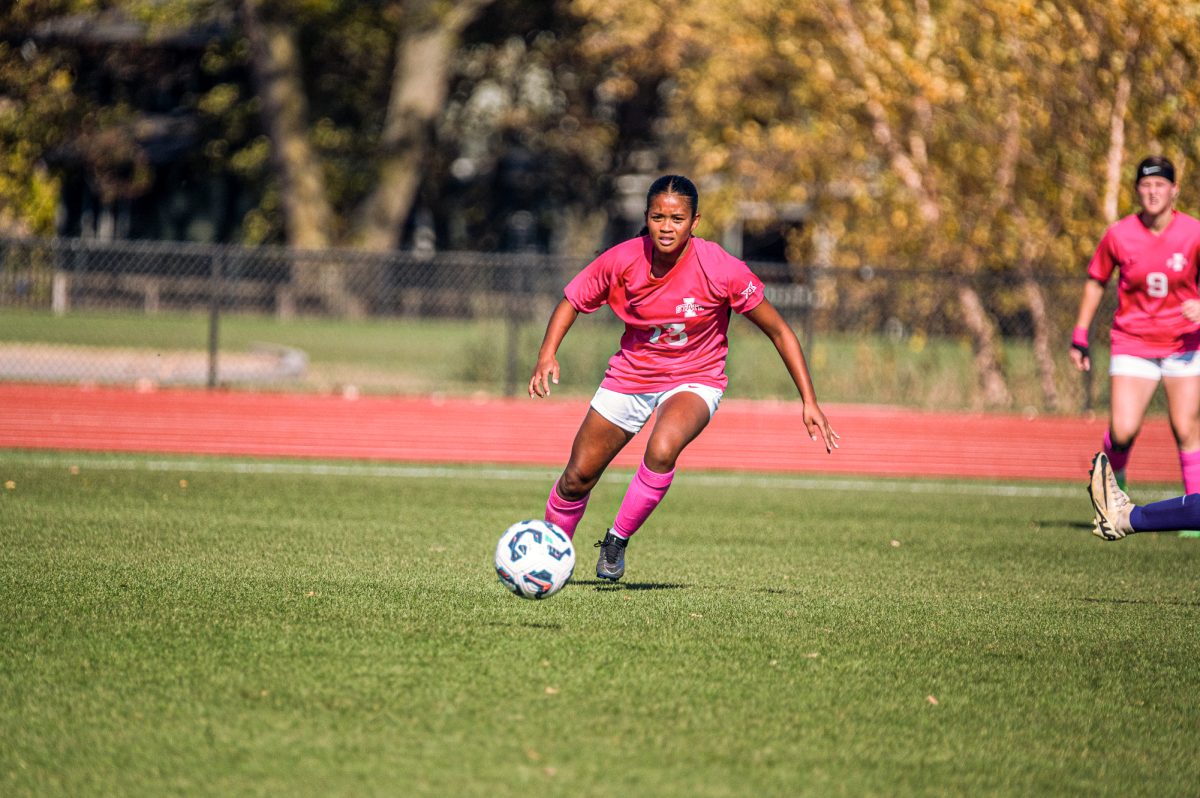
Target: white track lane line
{"type": "Point", "coordinates": [398, 471]}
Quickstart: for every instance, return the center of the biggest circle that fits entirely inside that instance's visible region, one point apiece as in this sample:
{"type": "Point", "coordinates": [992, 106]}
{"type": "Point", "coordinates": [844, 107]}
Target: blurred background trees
{"type": "Point", "coordinates": [989, 140]}
{"type": "Point", "coordinates": [964, 137]}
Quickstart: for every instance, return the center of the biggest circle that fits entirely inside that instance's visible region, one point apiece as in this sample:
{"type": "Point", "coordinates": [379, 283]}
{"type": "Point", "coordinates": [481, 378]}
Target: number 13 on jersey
{"type": "Point", "coordinates": [669, 334]}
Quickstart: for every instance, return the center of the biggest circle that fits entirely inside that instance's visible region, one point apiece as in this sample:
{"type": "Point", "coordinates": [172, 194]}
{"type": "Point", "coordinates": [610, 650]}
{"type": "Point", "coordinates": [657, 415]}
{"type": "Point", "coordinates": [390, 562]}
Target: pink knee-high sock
{"type": "Point", "coordinates": [643, 495]}
{"type": "Point", "coordinates": [564, 513]}
{"type": "Point", "coordinates": [1189, 462]}
{"type": "Point", "coordinates": [1117, 458]}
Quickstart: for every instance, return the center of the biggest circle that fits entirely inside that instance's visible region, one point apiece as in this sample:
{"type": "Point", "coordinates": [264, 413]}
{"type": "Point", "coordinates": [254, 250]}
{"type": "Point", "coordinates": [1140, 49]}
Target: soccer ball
{"type": "Point", "coordinates": [534, 559]}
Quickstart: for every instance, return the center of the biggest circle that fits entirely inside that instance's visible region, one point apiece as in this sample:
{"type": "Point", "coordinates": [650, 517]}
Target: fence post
{"type": "Point", "coordinates": [215, 285]}
{"type": "Point", "coordinates": [60, 293]}
{"type": "Point", "coordinates": [60, 283]}
{"type": "Point", "coordinates": [806, 321]}
{"type": "Point", "coordinates": [512, 327]}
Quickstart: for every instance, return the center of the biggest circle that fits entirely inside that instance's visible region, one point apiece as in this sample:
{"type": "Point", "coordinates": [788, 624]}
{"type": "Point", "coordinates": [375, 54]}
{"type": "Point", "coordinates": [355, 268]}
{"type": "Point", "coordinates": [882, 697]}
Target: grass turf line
{"type": "Point", "coordinates": [246, 633]}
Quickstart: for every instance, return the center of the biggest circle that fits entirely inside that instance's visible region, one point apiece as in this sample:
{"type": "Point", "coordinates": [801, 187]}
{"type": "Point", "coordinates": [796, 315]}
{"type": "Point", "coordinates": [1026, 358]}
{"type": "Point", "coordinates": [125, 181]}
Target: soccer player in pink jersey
{"type": "Point", "coordinates": [675, 292]}
{"type": "Point", "coordinates": [1156, 329]}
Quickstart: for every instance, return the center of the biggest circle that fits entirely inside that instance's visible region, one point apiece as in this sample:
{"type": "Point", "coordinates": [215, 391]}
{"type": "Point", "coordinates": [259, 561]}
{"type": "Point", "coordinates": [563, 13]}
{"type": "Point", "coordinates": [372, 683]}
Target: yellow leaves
{"type": "Point", "coordinates": [824, 70]}
{"type": "Point", "coordinates": [328, 136]}
{"type": "Point", "coordinates": [712, 160]}
{"type": "Point", "coordinates": [219, 99]}
{"type": "Point", "coordinates": [61, 80]}
{"type": "Point", "coordinates": [253, 157]}
{"type": "Point", "coordinates": [617, 88]}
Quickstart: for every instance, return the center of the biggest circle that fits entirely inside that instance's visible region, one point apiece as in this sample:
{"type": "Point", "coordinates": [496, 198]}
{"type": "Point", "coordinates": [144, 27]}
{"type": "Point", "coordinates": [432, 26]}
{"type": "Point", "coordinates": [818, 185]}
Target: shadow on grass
{"type": "Point", "coordinates": [607, 586]}
{"type": "Point", "coordinates": [1089, 526]}
{"type": "Point", "coordinates": [1151, 602]}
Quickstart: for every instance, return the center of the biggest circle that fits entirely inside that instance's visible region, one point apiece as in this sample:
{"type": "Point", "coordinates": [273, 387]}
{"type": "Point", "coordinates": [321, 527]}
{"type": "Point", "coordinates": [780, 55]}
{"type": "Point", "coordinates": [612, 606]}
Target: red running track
{"type": "Point", "coordinates": [744, 435]}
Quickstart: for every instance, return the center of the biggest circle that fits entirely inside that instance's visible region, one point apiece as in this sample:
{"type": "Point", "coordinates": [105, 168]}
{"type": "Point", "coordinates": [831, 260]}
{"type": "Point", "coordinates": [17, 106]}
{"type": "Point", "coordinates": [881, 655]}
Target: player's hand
{"type": "Point", "coordinates": [818, 426]}
{"type": "Point", "coordinates": [1191, 309]}
{"type": "Point", "coordinates": [1081, 358]}
{"type": "Point", "coordinates": [544, 373]}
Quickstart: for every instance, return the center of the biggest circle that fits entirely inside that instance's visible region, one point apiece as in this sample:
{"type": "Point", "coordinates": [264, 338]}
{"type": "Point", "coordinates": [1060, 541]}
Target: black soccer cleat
{"type": "Point", "coordinates": [611, 564]}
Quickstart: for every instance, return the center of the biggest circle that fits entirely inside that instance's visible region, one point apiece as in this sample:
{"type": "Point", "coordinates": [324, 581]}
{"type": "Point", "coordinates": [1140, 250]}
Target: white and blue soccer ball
{"type": "Point", "coordinates": [534, 559]}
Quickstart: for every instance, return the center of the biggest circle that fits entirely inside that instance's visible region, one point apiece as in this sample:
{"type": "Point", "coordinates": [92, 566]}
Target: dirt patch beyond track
{"type": "Point", "coordinates": [744, 435]}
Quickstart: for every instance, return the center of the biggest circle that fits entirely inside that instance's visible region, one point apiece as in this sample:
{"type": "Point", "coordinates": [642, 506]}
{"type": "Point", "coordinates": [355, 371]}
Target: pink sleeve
{"type": "Point", "coordinates": [744, 289]}
{"type": "Point", "coordinates": [1102, 264]}
{"type": "Point", "coordinates": [588, 291]}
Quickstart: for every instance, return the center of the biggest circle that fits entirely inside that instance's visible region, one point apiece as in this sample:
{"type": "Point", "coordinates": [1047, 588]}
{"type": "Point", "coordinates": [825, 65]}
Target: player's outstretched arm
{"type": "Point", "coordinates": [767, 319]}
{"type": "Point", "coordinates": [1089, 303]}
{"type": "Point", "coordinates": [546, 370]}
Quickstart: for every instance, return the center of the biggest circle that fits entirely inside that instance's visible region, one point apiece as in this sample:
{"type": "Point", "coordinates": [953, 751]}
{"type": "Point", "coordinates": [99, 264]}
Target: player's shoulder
{"type": "Point", "coordinates": [1128, 230]}
{"type": "Point", "coordinates": [634, 245]}
{"type": "Point", "coordinates": [1187, 221]}
{"type": "Point", "coordinates": [1125, 225]}
{"type": "Point", "coordinates": [621, 255]}
{"type": "Point", "coordinates": [704, 246]}
{"type": "Point", "coordinates": [627, 251]}
{"type": "Point", "coordinates": [714, 255]}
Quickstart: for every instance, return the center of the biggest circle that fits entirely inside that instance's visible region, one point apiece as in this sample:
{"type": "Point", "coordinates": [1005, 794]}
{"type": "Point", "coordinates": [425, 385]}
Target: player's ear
{"type": "Point", "coordinates": [695, 221]}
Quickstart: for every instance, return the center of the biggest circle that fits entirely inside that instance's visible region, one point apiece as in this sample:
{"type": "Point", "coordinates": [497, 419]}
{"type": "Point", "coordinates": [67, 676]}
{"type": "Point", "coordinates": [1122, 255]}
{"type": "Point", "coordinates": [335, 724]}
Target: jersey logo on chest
{"type": "Point", "coordinates": [688, 308]}
{"type": "Point", "coordinates": [1177, 262]}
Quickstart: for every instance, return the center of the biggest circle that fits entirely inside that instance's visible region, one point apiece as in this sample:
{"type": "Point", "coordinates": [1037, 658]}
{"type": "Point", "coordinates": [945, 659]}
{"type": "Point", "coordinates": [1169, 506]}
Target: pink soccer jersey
{"type": "Point", "coordinates": [1158, 273]}
{"type": "Point", "coordinates": [676, 326]}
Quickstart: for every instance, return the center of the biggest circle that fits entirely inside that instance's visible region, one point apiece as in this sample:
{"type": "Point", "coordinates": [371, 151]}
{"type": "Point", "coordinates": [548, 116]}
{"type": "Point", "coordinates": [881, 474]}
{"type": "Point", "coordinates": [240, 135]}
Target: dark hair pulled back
{"type": "Point", "coordinates": [674, 184]}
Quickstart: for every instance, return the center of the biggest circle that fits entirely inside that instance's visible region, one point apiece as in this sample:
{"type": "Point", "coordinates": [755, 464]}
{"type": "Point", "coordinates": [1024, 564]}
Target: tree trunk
{"type": "Point", "coordinates": [1116, 147]}
{"type": "Point", "coordinates": [906, 164]}
{"type": "Point", "coordinates": [987, 359]}
{"type": "Point", "coordinates": [1043, 347]}
{"type": "Point", "coordinates": [275, 59]}
{"type": "Point", "coordinates": [420, 82]}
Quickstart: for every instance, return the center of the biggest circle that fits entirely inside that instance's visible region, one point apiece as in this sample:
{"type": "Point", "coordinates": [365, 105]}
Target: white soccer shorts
{"type": "Point", "coordinates": [631, 411]}
{"type": "Point", "coordinates": [1180, 364]}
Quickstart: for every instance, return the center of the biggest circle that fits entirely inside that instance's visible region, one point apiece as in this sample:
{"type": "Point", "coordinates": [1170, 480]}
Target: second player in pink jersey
{"type": "Point", "coordinates": [675, 293]}
{"type": "Point", "coordinates": [1156, 328]}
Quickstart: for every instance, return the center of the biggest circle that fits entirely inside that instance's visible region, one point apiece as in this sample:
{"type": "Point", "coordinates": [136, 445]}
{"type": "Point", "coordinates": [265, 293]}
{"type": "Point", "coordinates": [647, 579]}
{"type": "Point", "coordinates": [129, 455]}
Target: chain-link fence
{"type": "Point", "coordinates": [158, 313]}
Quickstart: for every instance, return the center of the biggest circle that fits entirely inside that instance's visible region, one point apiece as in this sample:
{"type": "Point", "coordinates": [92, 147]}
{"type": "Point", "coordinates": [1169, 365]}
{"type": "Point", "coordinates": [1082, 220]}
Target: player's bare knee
{"type": "Point", "coordinates": [573, 485]}
{"type": "Point", "coordinates": [660, 460]}
{"type": "Point", "coordinates": [1188, 440]}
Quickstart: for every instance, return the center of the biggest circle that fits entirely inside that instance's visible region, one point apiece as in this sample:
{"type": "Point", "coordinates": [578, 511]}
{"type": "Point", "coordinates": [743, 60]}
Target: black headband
{"type": "Point", "coordinates": [1155, 168]}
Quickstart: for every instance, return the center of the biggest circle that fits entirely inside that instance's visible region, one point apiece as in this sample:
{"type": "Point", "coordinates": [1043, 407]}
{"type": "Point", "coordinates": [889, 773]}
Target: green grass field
{"type": "Point", "coordinates": [224, 627]}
